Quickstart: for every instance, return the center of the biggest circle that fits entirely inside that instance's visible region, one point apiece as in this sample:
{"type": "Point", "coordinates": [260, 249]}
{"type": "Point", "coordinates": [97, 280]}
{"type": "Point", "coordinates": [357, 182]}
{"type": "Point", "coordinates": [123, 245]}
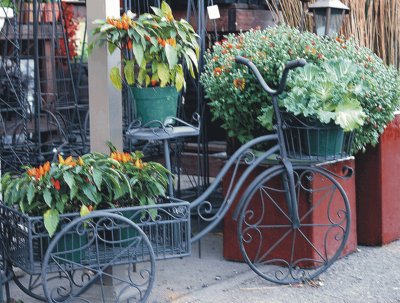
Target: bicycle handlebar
{"type": "Point", "coordinates": [289, 66]}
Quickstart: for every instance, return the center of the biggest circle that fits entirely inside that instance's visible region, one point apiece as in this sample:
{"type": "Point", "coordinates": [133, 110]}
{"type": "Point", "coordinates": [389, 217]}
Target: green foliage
{"type": "Point", "coordinates": [239, 101]}
{"type": "Point", "coordinates": [153, 46]}
{"type": "Point", "coordinates": [93, 181]}
{"type": "Point", "coordinates": [327, 92]}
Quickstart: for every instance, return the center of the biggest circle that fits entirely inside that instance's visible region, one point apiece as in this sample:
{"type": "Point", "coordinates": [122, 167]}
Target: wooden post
{"type": "Point", "coordinates": [105, 102]}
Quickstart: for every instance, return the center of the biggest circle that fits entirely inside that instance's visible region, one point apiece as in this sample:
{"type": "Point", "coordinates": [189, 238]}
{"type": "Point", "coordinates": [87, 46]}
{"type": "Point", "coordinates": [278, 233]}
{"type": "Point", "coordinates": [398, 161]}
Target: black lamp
{"type": "Point", "coordinates": [328, 16]}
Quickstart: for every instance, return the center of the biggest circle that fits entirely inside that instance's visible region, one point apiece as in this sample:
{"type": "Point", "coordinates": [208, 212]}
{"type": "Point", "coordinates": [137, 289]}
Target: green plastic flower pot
{"type": "Point", "coordinates": [155, 103]}
{"type": "Point", "coordinates": [323, 141]}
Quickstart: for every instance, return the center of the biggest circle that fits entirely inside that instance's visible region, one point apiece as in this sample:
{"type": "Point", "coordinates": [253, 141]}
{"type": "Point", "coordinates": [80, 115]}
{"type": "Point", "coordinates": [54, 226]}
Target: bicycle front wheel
{"type": "Point", "coordinates": [274, 247]}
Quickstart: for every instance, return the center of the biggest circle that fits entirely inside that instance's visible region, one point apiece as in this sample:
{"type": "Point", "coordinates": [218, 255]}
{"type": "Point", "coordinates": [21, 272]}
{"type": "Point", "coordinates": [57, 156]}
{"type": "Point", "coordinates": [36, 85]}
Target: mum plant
{"type": "Point", "coordinates": [93, 181]}
{"type": "Point", "coordinates": [153, 46]}
{"type": "Point", "coordinates": [239, 101]}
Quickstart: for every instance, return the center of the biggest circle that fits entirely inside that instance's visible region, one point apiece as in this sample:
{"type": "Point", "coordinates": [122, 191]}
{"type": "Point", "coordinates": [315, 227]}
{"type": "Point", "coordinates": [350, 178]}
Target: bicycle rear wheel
{"type": "Point", "coordinates": [269, 242]}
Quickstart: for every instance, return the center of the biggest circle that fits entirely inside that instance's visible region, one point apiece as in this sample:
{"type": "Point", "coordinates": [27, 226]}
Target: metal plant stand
{"type": "Point", "coordinates": [40, 113]}
{"type": "Point", "coordinates": [293, 223]}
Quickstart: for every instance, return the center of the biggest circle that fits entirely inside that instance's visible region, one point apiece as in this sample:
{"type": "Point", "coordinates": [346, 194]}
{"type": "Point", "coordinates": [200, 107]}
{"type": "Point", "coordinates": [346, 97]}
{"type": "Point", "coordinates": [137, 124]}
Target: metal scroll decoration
{"type": "Point", "coordinates": [280, 252]}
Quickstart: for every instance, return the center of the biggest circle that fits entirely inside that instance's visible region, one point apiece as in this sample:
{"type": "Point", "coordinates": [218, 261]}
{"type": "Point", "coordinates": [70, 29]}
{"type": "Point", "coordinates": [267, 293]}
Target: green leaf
{"type": "Point", "coordinates": [89, 191]}
{"type": "Point", "coordinates": [192, 57]}
{"type": "Point", "coordinates": [138, 52]}
{"type": "Point", "coordinates": [179, 78]}
{"type": "Point", "coordinates": [51, 219]}
{"type": "Point", "coordinates": [163, 73]}
{"type": "Point", "coordinates": [97, 178]}
{"type": "Point", "coordinates": [111, 47]}
{"type": "Point", "coordinates": [172, 55]}
{"type": "Point", "coordinates": [349, 115]}
{"type": "Point", "coordinates": [69, 179]}
{"type": "Point", "coordinates": [157, 11]}
{"type": "Point", "coordinates": [129, 71]}
{"type": "Point", "coordinates": [72, 193]}
{"type": "Point", "coordinates": [165, 8]}
{"type": "Point", "coordinates": [31, 193]}
{"type": "Point", "coordinates": [106, 27]}
{"type": "Point", "coordinates": [47, 197]}
{"type": "Point", "coordinates": [115, 78]}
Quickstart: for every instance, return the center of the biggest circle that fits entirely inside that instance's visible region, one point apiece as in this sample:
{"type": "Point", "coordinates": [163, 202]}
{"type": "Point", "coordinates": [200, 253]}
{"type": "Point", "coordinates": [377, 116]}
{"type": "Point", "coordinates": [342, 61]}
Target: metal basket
{"type": "Point", "coordinates": [307, 139]}
{"type": "Point", "coordinates": [167, 226]}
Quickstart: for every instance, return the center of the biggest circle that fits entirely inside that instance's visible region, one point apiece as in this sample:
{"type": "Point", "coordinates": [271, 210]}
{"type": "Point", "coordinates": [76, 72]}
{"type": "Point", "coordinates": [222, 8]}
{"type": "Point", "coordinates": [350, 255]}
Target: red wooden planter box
{"type": "Point", "coordinates": [231, 250]}
{"type": "Point", "coordinates": [378, 184]}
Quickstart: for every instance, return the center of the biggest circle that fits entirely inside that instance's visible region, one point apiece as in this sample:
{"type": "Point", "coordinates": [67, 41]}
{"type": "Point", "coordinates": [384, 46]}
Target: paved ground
{"type": "Point", "coordinates": [370, 275]}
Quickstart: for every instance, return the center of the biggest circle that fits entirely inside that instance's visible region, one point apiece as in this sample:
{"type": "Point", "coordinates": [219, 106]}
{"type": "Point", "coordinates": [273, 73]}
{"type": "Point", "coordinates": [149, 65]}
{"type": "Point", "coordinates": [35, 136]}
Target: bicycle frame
{"type": "Point", "coordinates": [201, 203]}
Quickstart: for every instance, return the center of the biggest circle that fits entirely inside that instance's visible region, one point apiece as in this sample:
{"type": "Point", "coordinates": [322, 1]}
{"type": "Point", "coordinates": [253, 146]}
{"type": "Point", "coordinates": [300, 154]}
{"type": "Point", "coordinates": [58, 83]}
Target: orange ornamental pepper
{"type": "Point", "coordinates": [61, 159]}
{"type": "Point", "coordinates": [56, 183]}
{"type": "Point", "coordinates": [126, 25]}
{"type": "Point", "coordinates": [147, 38]}
{"type": "Point", "coordinates": [46, 166]}
{"type": "Point", "coordinates": [138, 163]}
{"type": "Point", "coordinates": [90, 207]}
{"type": "Point", "coordinates": [172, 42]}
{"type": "Point", "coordinates": [80, 161]}
{"type": "Point", "coordinates": [41, 171]}
{"type": "Point", "coordinates": [31, 172]}
{"type": "Point", "coordinates": [154, 82]}
{"type": "Point", "coordinates": [129, 45]}
{"type": "Point", "coordinates": [68, 160]}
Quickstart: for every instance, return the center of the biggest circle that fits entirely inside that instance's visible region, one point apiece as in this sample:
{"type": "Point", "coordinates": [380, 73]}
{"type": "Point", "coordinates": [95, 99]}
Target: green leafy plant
{"type": "Point", "coordinates": [238, 100]}
{"type": "Point", "coordinates": [329, 92]}
{"type": "Point", "coordinates": [153, 47]}
{"type": "Point", "coordinates": [93, 181]}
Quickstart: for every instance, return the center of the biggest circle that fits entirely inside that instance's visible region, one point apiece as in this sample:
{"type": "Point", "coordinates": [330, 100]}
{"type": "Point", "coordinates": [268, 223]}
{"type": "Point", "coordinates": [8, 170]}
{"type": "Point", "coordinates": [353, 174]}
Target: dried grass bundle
{"type": "Point", "coordinates": [374, 23]}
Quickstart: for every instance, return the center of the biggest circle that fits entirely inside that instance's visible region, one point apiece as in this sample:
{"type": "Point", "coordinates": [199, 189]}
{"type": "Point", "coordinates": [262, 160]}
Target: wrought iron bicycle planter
{"type": "Point", "coordinates": [279, 235]}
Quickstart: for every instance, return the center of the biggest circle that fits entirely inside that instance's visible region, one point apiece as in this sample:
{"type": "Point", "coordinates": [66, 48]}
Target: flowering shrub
{"type": "Point", "coordinates": [93, 181]}
{"type": "Point", "coordinates": [71, 25]}
{"type": "Point", "coordinates": [238, 100]}
{"type": "Point", "coordinates": [153, 46]}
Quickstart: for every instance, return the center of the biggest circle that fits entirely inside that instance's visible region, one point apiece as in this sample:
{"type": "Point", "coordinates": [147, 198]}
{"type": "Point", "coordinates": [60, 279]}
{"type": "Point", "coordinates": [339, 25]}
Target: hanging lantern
{"type": "Point", "coordinates": [328, 16]}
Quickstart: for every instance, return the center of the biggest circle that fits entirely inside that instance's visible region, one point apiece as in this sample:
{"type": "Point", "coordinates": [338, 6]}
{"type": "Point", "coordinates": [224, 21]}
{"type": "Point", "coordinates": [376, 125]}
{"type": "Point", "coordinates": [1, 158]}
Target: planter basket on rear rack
{"type": "Point", "coordinates": [307, 139]}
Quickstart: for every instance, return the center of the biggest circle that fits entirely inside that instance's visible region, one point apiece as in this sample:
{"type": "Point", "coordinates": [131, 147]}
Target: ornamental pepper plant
{"type": "Point", "coordinates": [153, 47]}
{"type": "Point", "coordinates": [93, 181]}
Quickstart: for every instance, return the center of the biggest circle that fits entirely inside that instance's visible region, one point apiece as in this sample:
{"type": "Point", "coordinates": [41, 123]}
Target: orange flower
{"type": "Point", "coordinates": [217, 71]}
{"type": "Point", "coordinates": [313, 51]}
{"type": "Point", "coordinates": [239, 83]}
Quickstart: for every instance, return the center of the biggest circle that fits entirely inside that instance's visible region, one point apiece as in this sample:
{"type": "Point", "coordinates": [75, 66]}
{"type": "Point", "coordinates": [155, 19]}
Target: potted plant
{"type": "Point", "coordinates": [244, 108]}
{"type": "Point", "coordinates": [93, 181]}
{"type": "Point", "coordinates": [6, 11]}
{"type": "Point", "coordinates": [323, 102]}
{"type": "Point", "coordinates": [239, 101]}
{"type": "Point", "coordinates": [154, 47]}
